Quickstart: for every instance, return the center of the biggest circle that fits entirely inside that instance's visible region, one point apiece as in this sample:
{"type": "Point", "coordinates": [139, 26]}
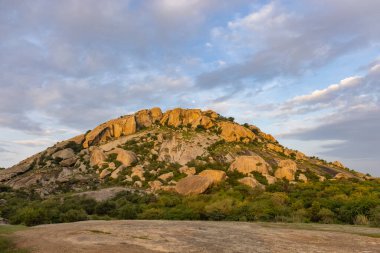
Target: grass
{"type": "Point", "coordinates": [6, 243]}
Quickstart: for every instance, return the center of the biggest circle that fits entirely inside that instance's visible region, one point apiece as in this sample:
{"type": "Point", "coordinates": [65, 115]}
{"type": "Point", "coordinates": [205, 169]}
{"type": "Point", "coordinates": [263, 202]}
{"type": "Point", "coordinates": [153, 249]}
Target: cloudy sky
{"type": "Point", "coordinates": [306, 71]}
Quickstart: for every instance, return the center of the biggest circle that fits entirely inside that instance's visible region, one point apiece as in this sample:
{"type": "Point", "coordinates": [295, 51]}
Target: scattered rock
{"type": "Point", "coordinates": [187, 170]}
{"type": "Point", "coordinates": [193, 185]}
{"type": "Point", "coordinates": [137, 184]}
{"type": "Point", "coordinates": [155, 185]}
{"type": "Point", "coordinates": [302, 177]}
{"type": "Point", "coordinates": [115, 173]}
{"type": "Point", "coordinates": [139, 172]}
{"type": "Point", "coordinates": [104, 173]}
{"type": "Point", "coordinates": [166, 176]}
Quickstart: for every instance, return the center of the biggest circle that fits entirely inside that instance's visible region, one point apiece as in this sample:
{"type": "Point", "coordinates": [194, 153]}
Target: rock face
{"type": "Point", "coordinates": [248, 164]}
{"type": "Point", "coordinates": [193, 185]}
{"type": "Point", "coordinates": [251, 182]}
{"type": "Point", "coordinates": [286, 169]}
{"type": "Point", "coordinates": [216, 176]}
{"type": "Point", "coordinates": [127, 158]}
{"type": "Point", "coordinates": [234, 132]}
{"type": "Point", "coordinates": [97, 157]}
{"type": "Point", "coordinates": [178, 150]}
{"type": "Point", "coordinates": [64, 154]}
{"type": "Point", "coordinates": [186, 117]}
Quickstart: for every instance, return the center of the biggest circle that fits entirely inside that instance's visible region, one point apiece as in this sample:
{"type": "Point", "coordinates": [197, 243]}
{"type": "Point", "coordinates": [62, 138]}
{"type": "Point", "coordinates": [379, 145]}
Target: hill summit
{"type": "Point", "coordinates": [186, 151]}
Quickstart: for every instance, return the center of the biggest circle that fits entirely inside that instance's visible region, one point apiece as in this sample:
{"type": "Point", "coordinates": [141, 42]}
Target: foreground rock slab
{"type": "Point", "coordinates": [195, 236]}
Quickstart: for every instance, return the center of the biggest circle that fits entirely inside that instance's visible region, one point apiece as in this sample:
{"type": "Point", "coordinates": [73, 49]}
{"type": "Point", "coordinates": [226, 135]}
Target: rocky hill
{"type": "Point", "coordinates": [186, 151]}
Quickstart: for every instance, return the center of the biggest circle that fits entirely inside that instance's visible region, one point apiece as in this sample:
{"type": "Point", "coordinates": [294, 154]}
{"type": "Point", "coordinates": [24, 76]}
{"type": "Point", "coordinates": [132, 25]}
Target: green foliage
{"type": "Point", "coordinates": [260, 178]}
{"type": "Point", "coordinates": [339, 201]}
{"type": "Point", "coordinates": [73, 215]}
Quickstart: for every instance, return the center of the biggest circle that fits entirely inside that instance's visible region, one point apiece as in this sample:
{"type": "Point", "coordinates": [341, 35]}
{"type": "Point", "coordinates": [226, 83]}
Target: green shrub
{"type": "Point", "coordinates": [73, 215]}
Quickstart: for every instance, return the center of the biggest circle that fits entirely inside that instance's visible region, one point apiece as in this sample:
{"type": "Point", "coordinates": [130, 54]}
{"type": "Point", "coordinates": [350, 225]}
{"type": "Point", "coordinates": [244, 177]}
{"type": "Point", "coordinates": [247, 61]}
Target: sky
{"type": "Point", "coordinates": [307, 72]}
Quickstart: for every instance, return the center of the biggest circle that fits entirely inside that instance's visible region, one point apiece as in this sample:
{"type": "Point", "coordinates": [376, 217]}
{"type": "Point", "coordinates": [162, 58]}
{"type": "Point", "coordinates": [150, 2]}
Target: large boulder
{"type": "Point", "coordinates": [97, 156]}
{"type": "Point", "coordinates": [127, 158]}
{"type": "Point", "coordinates": [215, 176]}
{"type": "Point", "coordinates": [251, 182]}
{"type": "Point", "coordinates": [248, 164]}
{"type": "Point", "coordinates": [286, 169]}
{"type": "Point", "coordinates": [193, 185]}
{"type": "Point", "coordinates": [64, 154]}
{"type": "Point", "coordinates": [234, 132]}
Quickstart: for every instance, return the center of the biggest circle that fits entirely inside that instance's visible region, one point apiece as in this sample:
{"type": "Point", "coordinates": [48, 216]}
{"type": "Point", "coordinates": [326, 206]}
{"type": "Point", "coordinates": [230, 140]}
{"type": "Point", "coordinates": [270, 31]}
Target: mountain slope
{"type": "Point", "coordinates": [154, 151]}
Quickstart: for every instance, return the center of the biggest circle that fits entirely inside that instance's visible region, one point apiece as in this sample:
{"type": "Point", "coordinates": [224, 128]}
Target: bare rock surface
{"type": "Point", "coordinates": [196, 236]}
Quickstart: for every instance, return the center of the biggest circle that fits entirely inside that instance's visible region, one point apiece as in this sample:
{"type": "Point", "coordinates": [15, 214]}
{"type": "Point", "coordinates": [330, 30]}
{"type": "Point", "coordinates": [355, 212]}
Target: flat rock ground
{"type": "Point", "coordinates": [137, 236]}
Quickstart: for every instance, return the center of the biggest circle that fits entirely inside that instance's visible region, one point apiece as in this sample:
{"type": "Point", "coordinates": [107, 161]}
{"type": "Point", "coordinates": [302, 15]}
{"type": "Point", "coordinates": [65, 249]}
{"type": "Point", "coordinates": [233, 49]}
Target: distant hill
{"type": "Point", "coordinates": [180, 152]}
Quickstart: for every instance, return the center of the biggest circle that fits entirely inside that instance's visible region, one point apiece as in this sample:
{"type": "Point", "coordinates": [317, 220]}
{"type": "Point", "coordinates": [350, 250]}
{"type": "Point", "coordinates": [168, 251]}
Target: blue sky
{"type": "Point", "coordinates": [306, 71]}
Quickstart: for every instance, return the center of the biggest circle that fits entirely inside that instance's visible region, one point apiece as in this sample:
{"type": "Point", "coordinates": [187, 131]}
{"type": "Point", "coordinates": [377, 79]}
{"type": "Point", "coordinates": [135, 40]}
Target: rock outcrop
{"type": "Point", "coordinates": [248, 164]}
{"type": "Point", "coordinates": [193, 185]}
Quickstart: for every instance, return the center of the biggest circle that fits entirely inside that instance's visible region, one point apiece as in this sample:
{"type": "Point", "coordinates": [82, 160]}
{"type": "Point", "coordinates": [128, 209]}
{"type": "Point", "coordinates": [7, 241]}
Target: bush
{"type": "Point", "coordinates": [127, 211]}
{"type": "Point", "coordinates": [361, 219]}
{"type": "Point", "coordinates": [105, 208]}
{"type": "Point", "coordinates": [375, 217]}
{"type": "Point", "coordinates": [73, 215]}
{"type": "Point", "coordinates": [29, 216]}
